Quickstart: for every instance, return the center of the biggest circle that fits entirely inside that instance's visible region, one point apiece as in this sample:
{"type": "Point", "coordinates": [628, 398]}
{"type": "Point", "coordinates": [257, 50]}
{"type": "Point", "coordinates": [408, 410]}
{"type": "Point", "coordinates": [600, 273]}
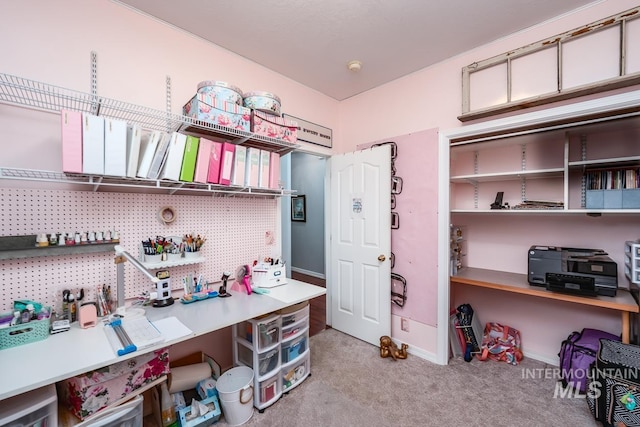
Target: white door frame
{"type": "Point", "coordinates": [559, 117]}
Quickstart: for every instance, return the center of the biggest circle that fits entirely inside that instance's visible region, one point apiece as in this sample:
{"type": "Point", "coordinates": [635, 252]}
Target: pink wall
{"type": "Point", "coordinates": [136, 53]}
{"type": "Point", "coordinates": [432, 98]}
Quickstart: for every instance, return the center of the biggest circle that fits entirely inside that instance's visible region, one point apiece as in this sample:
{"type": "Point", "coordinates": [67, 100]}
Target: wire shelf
{"type": "Point", "coordinates": [115, 183]}
{"type": "Point", "coordinates": [45, 97]}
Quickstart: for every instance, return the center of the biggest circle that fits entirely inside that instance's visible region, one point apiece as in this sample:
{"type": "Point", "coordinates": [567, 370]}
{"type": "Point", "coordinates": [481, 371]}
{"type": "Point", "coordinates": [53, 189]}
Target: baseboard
{"type": "Point", "coordinates": [553, 361]}
{"type": "Point", "coordinates": [308, 273]}
{"type": "Point", "coordinates": [418, 352]}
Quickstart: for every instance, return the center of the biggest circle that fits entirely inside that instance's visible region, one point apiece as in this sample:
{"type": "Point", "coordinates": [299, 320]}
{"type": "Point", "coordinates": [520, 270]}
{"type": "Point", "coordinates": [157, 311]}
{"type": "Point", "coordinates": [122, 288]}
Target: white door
{"type": "Point", "coordinates": [360, 245]}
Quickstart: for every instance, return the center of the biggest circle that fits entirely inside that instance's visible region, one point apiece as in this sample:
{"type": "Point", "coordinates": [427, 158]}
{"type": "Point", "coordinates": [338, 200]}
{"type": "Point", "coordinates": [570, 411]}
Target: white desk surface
{"type": "Point", "coordinates": [71, 353]}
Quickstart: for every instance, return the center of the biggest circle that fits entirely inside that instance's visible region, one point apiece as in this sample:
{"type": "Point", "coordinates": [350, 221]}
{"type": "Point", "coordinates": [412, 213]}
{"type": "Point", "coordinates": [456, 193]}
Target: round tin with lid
{"type": "Point", "coordinates": [263, 101]}
{"type": "Point", "coordinates": [221, 90]}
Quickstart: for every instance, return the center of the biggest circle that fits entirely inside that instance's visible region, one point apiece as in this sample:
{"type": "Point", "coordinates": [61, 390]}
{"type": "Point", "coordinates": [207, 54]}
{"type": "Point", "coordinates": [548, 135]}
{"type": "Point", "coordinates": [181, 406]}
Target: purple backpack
{"type": "Point", "coordinates": [577, 353]}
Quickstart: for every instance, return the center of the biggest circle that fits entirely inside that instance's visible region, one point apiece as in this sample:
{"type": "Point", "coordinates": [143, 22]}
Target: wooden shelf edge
{"type": "Point", "coordinates": [517, 283]}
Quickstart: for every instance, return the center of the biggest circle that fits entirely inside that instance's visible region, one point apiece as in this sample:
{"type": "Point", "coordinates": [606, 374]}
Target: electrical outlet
{"type": "Point", "coordinates": [404, 324]}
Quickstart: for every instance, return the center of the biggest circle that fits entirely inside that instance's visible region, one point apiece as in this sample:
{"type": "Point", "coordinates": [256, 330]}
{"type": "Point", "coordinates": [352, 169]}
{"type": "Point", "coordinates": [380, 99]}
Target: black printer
{"type": "Point", "coordinates": [573, 270]}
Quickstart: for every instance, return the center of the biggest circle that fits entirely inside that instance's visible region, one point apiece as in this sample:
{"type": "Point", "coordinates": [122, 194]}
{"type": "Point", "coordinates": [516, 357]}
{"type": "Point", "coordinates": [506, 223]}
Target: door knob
{"type": "Point", "coordinates": [381, 258]}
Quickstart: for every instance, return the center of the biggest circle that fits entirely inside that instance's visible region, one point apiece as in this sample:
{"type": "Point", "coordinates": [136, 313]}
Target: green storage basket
{"type": "Point", "coordinates": [25, 333]}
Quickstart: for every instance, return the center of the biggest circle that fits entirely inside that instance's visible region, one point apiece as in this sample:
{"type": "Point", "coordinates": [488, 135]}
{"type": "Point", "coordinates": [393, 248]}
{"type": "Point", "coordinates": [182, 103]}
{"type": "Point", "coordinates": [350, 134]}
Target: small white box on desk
{"type": "Point", "coordinates": [268, 276]}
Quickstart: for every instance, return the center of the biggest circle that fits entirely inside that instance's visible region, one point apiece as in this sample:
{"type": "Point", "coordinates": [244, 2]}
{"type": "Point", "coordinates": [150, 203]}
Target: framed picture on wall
{"type": "Point", "coordinates": [298, 208]}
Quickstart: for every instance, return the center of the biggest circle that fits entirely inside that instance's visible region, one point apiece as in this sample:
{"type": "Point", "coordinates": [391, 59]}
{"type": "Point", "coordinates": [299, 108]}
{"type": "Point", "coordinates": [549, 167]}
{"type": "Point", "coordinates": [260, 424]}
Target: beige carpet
{"type": "Point", "coordinates": [351, 385]}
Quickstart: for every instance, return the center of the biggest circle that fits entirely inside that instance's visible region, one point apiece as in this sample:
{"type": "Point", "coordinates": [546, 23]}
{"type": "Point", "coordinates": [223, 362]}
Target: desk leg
{"type": "Point", "coordinates": [625, 327]}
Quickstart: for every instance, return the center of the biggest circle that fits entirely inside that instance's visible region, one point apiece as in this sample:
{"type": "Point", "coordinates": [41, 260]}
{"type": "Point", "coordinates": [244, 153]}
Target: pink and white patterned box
{"type": "Point", "coordinates": [90, 392]}
{"type": "Point", "coordinates": [273, 126]}
{"type": "Point", "coordinates": [210, 109]}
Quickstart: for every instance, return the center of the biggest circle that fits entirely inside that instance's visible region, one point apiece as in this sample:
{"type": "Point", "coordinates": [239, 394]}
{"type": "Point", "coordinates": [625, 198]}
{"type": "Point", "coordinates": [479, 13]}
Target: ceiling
{"type": "Point", "coordinates": [311, 41]}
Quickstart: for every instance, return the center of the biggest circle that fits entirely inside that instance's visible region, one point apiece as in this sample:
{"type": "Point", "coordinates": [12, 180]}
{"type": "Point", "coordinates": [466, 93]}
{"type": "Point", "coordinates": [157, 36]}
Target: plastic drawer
{"type": "Point", "coordinates": [268, 390]}
{"type": "Point", "coordinates": [244, 355]}
{"type": "Point", "coordinates": [295, 372]}
{"type": "Point", "coordinates": [295, 328]}
{"type": "Point", "coordinates": [268, 333]}
{"type": "Point", "coordinates": [268, 361]}
{"type": "Point", "coordinates": [294, 317]}
{"type": "Point", "coordinates": [293, 349]}
{"type": "Point", "coordinates": [125, 415]}
{"type": "Point", "coordinates": [34, 408]}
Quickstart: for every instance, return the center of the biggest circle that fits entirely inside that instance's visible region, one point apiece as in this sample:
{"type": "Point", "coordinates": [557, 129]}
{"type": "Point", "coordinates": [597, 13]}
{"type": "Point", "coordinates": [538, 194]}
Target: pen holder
{"type": "Point", "coordinates": [87, 315]}
{"type": "Point", "coordinates": [153, 259]}
{"type": "Point", "coordinates": [192, 255]}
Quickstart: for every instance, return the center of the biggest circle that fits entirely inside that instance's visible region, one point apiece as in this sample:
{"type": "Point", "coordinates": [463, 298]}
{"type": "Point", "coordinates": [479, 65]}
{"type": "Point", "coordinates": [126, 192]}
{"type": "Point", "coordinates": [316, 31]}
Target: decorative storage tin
{"type": "Point", "coordinates": [262, 101]}
{"type": "Point", "coordinates": [221, 90]}
{"type": "Point", "coordinates": [273, 126]}
{"type": "Point", "coordinates": [219, 112]}
{"type": "Point", "coordinates": [88, 393]}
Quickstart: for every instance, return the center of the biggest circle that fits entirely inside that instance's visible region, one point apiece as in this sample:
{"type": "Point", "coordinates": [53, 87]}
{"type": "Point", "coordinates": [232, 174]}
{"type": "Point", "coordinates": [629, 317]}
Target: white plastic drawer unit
{"type": "Point", "coordinates": [37, 408]}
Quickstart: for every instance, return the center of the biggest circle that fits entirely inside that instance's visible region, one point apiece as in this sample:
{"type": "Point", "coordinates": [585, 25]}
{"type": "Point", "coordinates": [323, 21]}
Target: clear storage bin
{"type": "Point", "coordinates": [296, 372]}
{"type": "Point", "coordinates": [268, 390]}
{"type": "Point", "coordinates": [293, 349]}
{"type": "Point", "coordinates": [295, 328]}
{"type": "Point", "coordinates": [295, 316]}
{"type": "Point", "coordinates": [34, 408]}
{"type": "Point", "coordinates": [268, 361]}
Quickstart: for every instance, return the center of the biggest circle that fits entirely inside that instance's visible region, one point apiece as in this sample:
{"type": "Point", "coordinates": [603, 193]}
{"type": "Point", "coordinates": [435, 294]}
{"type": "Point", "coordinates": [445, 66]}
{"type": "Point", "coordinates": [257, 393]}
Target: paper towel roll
{"type": "Point", "coordinates": [187, 377]}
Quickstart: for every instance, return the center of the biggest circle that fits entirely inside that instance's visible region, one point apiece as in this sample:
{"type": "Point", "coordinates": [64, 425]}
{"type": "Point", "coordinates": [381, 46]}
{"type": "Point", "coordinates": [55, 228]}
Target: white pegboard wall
{"type": "Point", "coordinates": [235, 229]}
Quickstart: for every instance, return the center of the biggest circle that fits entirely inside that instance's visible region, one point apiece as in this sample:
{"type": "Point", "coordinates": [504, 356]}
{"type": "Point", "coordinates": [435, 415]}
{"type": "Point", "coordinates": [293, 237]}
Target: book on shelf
{"type": "Point", "coordinates": [159, 156]}
{"type": "Point", "coordinates": [189, 158]}
{"type": "Point", "coordinates": [71, 141]}
{"type": "Point", "coordinates": [239, 165]}
{"type": "Point", "coordinates": [226, 163]}
{"type": "Point", "coordinates": [253, 167]}
{"type": "Point", "coordinates": [274, 171]}
{"type": "Point", "coordinates": [263, 173]}
{"type": "Point", "coordinates": [215, 156]}
{"type": "Point", "coordinates": [92, 144]}
{"type": "Point", "coordinates": [134, 140]}
{"type": "Point", "coordinates": [173, 164]}
{"type": "Point", "coordinates": [613, 179]}
{"type": "Point", "coordinates": [115, 147]}
{"type": "Point", "coordinates": [202, 161]}
{"type": "Point", "coordinates": [147, 152]}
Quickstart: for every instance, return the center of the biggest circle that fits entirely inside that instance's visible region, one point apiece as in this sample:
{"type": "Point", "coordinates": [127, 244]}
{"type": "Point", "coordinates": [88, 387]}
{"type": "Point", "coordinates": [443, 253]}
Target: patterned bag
{"type": "Point", "coordinates": [501, 343]}
{"type": "Point", "coordinates": [613, 387]}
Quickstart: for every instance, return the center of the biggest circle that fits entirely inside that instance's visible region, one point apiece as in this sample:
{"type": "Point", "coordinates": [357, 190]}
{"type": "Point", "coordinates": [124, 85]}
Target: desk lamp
{"type": "Point", "coordinates": [162, 285]}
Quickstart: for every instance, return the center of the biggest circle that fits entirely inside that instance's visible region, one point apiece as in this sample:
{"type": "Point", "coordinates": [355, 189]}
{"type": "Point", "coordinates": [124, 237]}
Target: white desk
{"type": "Point", "coordinates": [71, 353]}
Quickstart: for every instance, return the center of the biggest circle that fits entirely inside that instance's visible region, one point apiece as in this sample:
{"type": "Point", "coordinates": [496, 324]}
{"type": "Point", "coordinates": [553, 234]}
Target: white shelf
{"type": "Point", "coordinates": [45, 97]}
{"type": "Point", "coordinates": [508, 176]}
{"type": "Point", "coordinates": [112, 183]}
{"type": "Point", "coordinates": [40, 96]}
{"type": "Point", "coordinates": [615, 162]}
{"type": "Point", "coordinates": [176, 263]}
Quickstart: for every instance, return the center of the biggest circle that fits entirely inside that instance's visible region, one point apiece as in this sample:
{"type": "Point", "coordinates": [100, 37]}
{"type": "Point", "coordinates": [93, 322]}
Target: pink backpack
{"type": "Point", "coordinates": [501, 343]}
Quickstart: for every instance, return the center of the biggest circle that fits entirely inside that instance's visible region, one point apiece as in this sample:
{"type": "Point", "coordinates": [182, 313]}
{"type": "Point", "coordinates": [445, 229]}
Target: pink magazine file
{"type": "Point", "coordinates": [215, 155]}
{"type": "Point", "coordinates": [202, 161]}
{"type": "Point", "coordinates": [71, 141]}
{"type": "Point", "coordinates": [274, 172]}
{"type": "Point", "coordinates": [226, 163]}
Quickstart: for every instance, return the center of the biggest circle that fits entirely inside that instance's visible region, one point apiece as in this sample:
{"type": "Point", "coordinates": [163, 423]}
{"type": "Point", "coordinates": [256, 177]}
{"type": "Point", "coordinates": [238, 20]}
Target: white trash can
{"type": "Point", "coordinates": [235, 390]}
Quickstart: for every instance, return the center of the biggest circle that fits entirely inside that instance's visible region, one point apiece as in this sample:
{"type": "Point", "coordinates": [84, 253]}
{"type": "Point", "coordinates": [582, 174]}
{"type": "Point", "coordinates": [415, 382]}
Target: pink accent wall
{"type": "Point", "coordinates": [136, 53]}
{"type": "Point", "coordinates": [432, 98]}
